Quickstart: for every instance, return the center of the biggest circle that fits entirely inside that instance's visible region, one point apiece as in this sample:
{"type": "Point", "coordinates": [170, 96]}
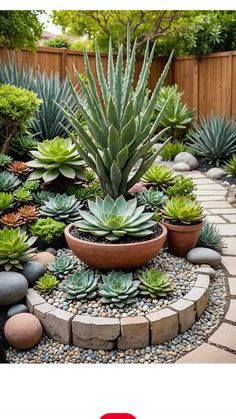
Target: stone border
{"type": "Point", "coordinates": [126, 333]}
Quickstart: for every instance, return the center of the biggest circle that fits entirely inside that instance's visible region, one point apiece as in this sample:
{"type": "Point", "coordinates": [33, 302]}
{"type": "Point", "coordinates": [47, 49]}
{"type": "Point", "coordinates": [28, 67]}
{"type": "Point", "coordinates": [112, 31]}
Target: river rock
{"type": "Point", "coordinates": [17, 309]}
{"type": "Point", "coordinates": [33, 271]}
{"type": "Point", "coordinates": [51, 250]}
{"type": "Point", "coordinates": [200, 255]}
{"type": "Point", "coordinates": [215, 173]}
{"type": "Point", "coordinates": [207, 271]}
{"type": "Point", "coordinates": [181, 167]}
{"type": "Point", "coordinates": [13, 287]}
{"type": "Point", "coordinates": [187, 158]}
{"type": "Point", "coordinates": [23, 331]}
{"type": "Point", "coordinates": [44, 258]}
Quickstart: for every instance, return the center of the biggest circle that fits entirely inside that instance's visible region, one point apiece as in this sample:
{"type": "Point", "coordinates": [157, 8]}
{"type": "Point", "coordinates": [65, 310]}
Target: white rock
{"type": "Point", "coordinates": [215, 173]}
{"type": "Point", "coordinates": [187, 158]}
{"type": "Point", "coordinates": [181, 167]}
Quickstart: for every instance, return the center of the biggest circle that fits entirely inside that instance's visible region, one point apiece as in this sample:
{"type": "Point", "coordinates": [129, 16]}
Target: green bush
{"type": "Point", "coordinates": [47, 229]}
{"type": "Point", "coordinates": [183, 186]}
{"type": "Point", "coordinates": [58, 42]}
{"type": "Point", "coordinates": [170, 150]}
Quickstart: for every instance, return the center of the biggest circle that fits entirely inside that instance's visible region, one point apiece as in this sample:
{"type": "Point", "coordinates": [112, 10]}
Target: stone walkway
{"type": "Point", "coordinates": [221, 346]}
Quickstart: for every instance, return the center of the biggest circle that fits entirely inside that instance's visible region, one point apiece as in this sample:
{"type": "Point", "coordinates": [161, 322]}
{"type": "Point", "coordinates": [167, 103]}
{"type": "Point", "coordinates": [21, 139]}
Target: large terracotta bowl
{"type": "Point", "coordinates": [115, 256]}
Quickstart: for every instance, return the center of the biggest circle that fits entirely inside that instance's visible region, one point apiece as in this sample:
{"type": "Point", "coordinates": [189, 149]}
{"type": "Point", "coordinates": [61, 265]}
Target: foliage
{"type": "Point", "coordinates": [114, 219]}
{"type": "Point", "coordinates": [231, 166]}
{"type": "Point", "coordinates": [61, 266]}
{"type": "Point", "coordinates": [154, 283]}
{"type": "Point", "coordinates": [46, 283]}
{"type": "Point", "coordinates": [6, 201]}
{"type": "Point", "coordinates": [151, 199]}
{"type": "Point", "coordinates": [90, 176]}
{"type": "Point", "coordinates": [23, 144]}
{"type": "Point", "coordinates": [11, 220]}
{"type": "Point", "coordinates": [124, 134]}
{"type": "Point", "coordinates": [61, 208]}
{"type": "Point", "coordinates": [214, 138]}
{"type": "Point", "coordinates": [81, 285]}
{"type": "Point", "coordinates": [210, 237]}
{"type": "Point", "coordinates": [42, 196]}
{"type": "Point", "coordinates": [15, 247]}
{"type": "Point", "coordinates": [160, 176]}
{"type": "Point", "coordinates": [60, 41]}
{"type": "Point", "coordinates": [19, 168]}
{"type": "Point", "coordinates": [55, 157]}
{"type": "Point", "coordinates": [8, 181]}
{"type": "Point", "coordinates": [17, 108]}
{"type": "Point", "coordinates": [47, 229]}
{"type": "Point", "coordinates": [170, 150]}
{"type": "Point", "coordinates": [28, 213]}
{"type": "Point", "coordinates": [22, 195]}
{"type": "Point", "coordinates": [20, 28]}
{"type": "Point", "coordinates": [31, 185]}
{"type": "Point", "coordinates": [84, 193]}
{"type": "Point", "coordinates": [5, 160]}
{"type": "Point", "coordinates": [182, 210]}
{"type": "Point", "coordinates": [118, 288]}
{"type": "Point", "coordinates": [183, 186]}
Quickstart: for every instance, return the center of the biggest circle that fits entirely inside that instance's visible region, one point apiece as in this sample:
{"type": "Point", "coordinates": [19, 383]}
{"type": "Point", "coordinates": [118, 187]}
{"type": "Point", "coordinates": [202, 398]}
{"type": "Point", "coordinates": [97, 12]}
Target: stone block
{"type": "Point", "coordinates": [88, 327]}
{"type": "Point", "coordinates": [186, 313]}
{"type": "Point", "coordinates": [203, 281]}
{"type": "Point", "coordinates": [231, 313]}
{"type": "Point", "coordinates": [164, 325]}
{"type": "Point", "coordinates": [33, 299]}
{"type": "Point", "coordinates": [208, 354]}
{"type": "Point", "coordinates": [134, 333]}
{"type": "Point", "coordinates": [200, 298]}
{"type": "Point", "coordinates": [58, 325]}
{"type": "Point", "coordinates": [232, 286]}
{"type": "Point", "coordinates": [94, 343]}
{"type": "Point", "coordinates": [229, 263]}
{"type": "Point", "coordinates": [225, 335]}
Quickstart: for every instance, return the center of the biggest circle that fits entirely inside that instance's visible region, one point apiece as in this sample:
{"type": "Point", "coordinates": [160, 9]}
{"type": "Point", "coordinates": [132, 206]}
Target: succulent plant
{"type": "Point", "coordinates": [46, 283]}
{"type": "Point", "coordinates": [31, 185]}
{"type": "Point", "coordinates": [54, 157]}
{"type": "Point", "coordinates": [5, 160]}
{"type": "Point", "coordinates": [19, 168]}
{"type": "Point", "coordinates": [170, 150]}
{"type": "Point", "coordinates": [61, 266]}
{"type": "Point", "coordinates": [154, 283]}
{"type": "Point", "coordinates": [151, 199]}
{"type": "Point", "coordinates": [159, 176]}
{"type": "Point", "coordinates": [210, 237]}
{"type": "Point", "coordinates": [28, 213]}
{"type": "Point", "coordinates": [22, 195]}
{"type": "Point", "coordinates": [8, 181]}
{"type": "Point", "coordinates": [118, 288]}
{"type": "Point", "coordinates": [23, 144]}
{"type": "Point", "coordinates": [81, 285]}
{"type": "Point", "coordinates": [47, 229]}
{"type": "Point", "coordinates": [90, 176]}
{"type": "Point", "coordinates": [231, 166]}
{"type": "Point", "coordinates": [182, 210]}
{"type": "Point", "coordinates": [61, 208]}
{"type": "Point", "coordinates": [84, 193]}
{"type": "Point", "coordinates": [11, 220]}
{"type": "Point", "coordinates": [6, 201]}
{"type": "Point", "coordinates": [42, 196]}
{"type": "Point", "coordinates": [183, 186]}
{"type": "Point", "coordinates": [15, 247]}
{"type": "Point", "coordinates": [115, 219]}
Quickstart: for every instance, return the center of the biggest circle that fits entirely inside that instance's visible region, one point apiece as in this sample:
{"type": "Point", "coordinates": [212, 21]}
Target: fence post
{"type": "Point", "coordinates": [63, 64]}
{"type": "Point", "coordinates": [196, 87]}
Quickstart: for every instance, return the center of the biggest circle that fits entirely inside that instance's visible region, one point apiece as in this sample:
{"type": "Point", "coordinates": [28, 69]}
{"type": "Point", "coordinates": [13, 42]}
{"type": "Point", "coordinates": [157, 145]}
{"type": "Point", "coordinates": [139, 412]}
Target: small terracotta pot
{"type": "Point", "coordinates": [115, 256]}
{"type": "Point", "coordinates": [182, 238]}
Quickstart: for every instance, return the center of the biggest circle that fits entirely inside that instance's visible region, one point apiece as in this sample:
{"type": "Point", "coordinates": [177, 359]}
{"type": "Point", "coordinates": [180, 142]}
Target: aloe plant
{"type": "Point", "coordinates": [154, 283]}
{"type": "Point", "coordinates": [81, 285]}
{"type": "Point", "coordinates": [119, 134]}
{"type": "Point", "coordinates": [118, 288]}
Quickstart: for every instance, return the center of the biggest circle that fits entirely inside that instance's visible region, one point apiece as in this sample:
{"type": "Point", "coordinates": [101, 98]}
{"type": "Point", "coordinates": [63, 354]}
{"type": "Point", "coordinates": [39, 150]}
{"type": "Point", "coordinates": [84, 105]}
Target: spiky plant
{"type": "Point", "coordinates": [81, 285]}
{"type": "Point", "coordinates": [28, 213]}
{"type": "Point", "coordinates": [160, 176]}
{"type": "Point", "coordinates": [182, 210]}
{"type": "Point", "coordinates": [84, 193]}
{"type": "Point", "coordinates": [11, 220]}
{"type": "Point", "coordinates": [6, 201]}
{"type": "Point", "coordinates": [42, 196]}
{"type": "Point", "coordinates": [210, 237]}
{"type": "Point", "coordinates": [90, 176]}
{"type": "Point", "coordinates": [31, 185]}
{"type": "Point", "coordinates": [170, 150]}
{"type": "Point", "coordinates": [15, 247]}
{"type": "Point", "coordinates": [22, 195]}
{"type": "Point", "coordinates": [231, 166]}
{"type": "Point", "coordinates": [23, 144]}
{"type": "Point", "coordinates": [151, 199]}
{"type": "Point", "coordinates": [46, 283]}
{"type": "Point", "coordinates": [62, 265]}
{"type": "Point", "coordinates": [154, 283]}
{"type": "Point", "coordinates": [8, 181]}
{"type": "Point", "coordinates": [19, 168]}
{"type": "Point", "coordinates": [61, 208]}
{"type": "Point", "coordinates": [119, 134]}
{"type": "Point", "coordinates": [183, 186]}
{"type": "Point", "coordinates": [118, 288]}
{"type": "Point", "coordinates": [4, 160]}
{"type": "Point", "coordinates": [114, 219]}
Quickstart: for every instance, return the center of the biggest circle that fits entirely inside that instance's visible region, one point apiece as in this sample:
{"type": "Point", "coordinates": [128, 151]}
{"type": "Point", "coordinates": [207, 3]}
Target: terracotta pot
{"type": "Point", "coordinates": [182, 238]}
{"type": "Point", "coordinates": [115, 256]}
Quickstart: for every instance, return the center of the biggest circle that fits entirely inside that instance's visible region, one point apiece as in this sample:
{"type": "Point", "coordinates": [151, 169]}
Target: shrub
{"type": "Point", "coordinates": [58, 42]}
{"type": "Point", "coordinates": [154, 283]}
{"type": "Point", "coordinates": [183, 186]}
{"type": "Point", "coordinates": [231, 166]}
{"type": "Point", "coordinates": [182, 210]}
{"type": "Point", "coordinates": [47, 229]}
{"type": "Point", "coordinates": [170, 150]}
{"type": "Point", "coordinates": [160, 176]}
{"type": "Point", "coordinates": [118, 288]}
{"type": "Point", "coordinates": [210, 237]}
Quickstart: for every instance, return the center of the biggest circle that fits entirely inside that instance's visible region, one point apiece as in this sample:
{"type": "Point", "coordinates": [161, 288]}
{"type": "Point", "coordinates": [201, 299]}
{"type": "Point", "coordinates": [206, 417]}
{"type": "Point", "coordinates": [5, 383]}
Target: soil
{"type": "Point", "coordinates": [204, 165]}
{"type": "Point", "coordinates": [230, 179]}
{"type": "Point", "coordinates": [3, 342]}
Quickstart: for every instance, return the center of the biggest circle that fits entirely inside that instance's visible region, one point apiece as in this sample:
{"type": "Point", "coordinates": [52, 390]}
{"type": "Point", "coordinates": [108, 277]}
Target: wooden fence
{"type": "Point", "coordinates": [208, 85]}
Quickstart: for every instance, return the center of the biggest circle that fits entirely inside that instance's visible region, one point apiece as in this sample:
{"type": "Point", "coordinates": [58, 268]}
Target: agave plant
{"type": "Point", "coordinates": [28, 213]}
{"type": "Point", "coordinates": [23, 144]}
{"type": "Point", "coordinates": [81, 285]}
{"type": "Point", "coordinates": [61, 266]}
{"type": "Point", "coordinates": [118, 288]}
{"type": "Point", "coordinates": [151, 199]}
{"type": "Point", "coordinates": [115, 219]}
{"type": "Point", "coordinates": [6, 201]}
{"type": "Point", "coordinates": [4, 160]}
{"type": "Point", "coordinates": [22, 195]}
{"type": "Point", "coordinates": [15, 247]}
{"type": "Point", "coordinates": [182, 210]}
{"type": "Point", "coordinates": [8, 181]}
{"type": "Point", "coordinates": [120, 133]}
{"type": "Point", "coordinates": [154, 283]}
{"type": "Point", "coordinates": [231, 166]}
{"type": "Point", "coordinates": [210, 237]}
{"type": "Point", "coordinates": [11, 220]}
{"type": "Point", "coordinates": [55, 157]}
{"type": "Point", "coordinates": [214, 139]}
{"type": "Point", "coordinates": [160, 176]}
{"type": "Point", "coordinates": [11, 73]}
{"type": "Point", "coordinates": [170, 150]}
{"type": "Point", "coordinates": [61, 208]}
{"type": "Point", "coordinates": [42, 196]}
{"type": "Point", "coordinates": [19, 168]}
{"type": "Point", "coordinates": [31, 185]}
{"type": "Point", "coordinates": [46, 283]}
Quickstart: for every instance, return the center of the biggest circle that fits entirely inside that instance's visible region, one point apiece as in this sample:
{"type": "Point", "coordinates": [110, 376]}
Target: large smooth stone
{"type": "Point", "coordinates": [33, 271]}
{"type": "Point", "coordinates": [51, 250]}
{"type": "Point", "coordinates": [200, 255]}
{"type": "Point", "coordinates": [181, 167]}
{"type": "Point", "coordinates": [43, 257]}
{"type": "Point", "coordinates": [23, 331]}
{"type": "Point", "coordinates": [17, 309]}
{"type": "Point", "coordinates": [207, 271]}
{"type": "Point", "coordinates": [13, 287]}
{"type": "Point", "coordinates": [215, 173]}
{"type": "Point", "coordinates": [187, 158]}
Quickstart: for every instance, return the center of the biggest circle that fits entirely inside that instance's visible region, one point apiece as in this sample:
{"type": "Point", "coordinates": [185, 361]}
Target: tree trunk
{"type": "Point", "coordinates": [10, 131]}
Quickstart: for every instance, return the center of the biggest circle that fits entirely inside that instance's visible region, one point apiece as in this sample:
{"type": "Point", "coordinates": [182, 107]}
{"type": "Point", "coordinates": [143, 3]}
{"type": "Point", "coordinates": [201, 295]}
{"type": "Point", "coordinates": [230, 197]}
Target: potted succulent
{"type": "Point", "coordinates": [183, 218]}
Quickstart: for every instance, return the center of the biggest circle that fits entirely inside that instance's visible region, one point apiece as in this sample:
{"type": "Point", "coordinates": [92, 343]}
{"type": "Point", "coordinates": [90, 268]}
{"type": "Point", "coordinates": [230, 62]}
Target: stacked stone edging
{"type": "Point", "coordinates": [126, 333]}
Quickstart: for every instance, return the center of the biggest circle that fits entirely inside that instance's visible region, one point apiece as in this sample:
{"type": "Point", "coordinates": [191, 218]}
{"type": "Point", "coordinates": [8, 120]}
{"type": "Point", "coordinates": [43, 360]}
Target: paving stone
{"type": "Point", "coordinates": [88, 327]}
{"type": "Point", "coordinates": [203, 181]}
{"type": "Point", "coordinates": [217, 204]}
{"type": "Point", "coordinates": [227, 229]}
{"type": "Point", "coordinates": [211, 192]}
{"type": "Point", "coordinates": [230, 264]}
{"type": "Point", "coordinates": [230, 246]}
{"type": "Point", "coordinates": [231, 218]}
{"type": "Point", "coordinates": [57, 325]}
{"type": "Point", "coordinates": [196, 175]}
{"type": "Point", "coordinates": [208, 354]}
{"type": "Point", "coordinates": [216, 219]}
{"type": "Point", "coordinates": [203, 281]}
{"type": "Point", "coordinates": [225, 335]}
{"type": "Point", "coordinates": [200, 297]}
{"type": "Point", "coordinates": [33, 299]}
{"type": "Point", "coordinates": [232, 285]}
{"type": "Point", "coordinates": [231, 313]}
{"type": "Point", "coordinates": [134, 333]}
{"type": "Point", "coordinates": [164, 325]}
{"type": "Point", "coordinates": [223, 211]}
{"type": "Point", "coordinates": [213, 187]}
{"type": "Point", "coordinates": [213, 198]}
{"type": "Point", "coordinates": [186, 313]}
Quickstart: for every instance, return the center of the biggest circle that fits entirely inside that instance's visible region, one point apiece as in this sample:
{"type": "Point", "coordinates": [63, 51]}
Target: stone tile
{"type": "Point", "coordinates": [231, 218]}
{"type": "Point", "coordinates": [195, 175]}
{"type": "Point", "coordinates": [230, 246]}
{"type": "Point", "coordinates": [212, 187]}
{"type": "Point", "coordinates": [227, 229]}
{"type": "Point", "coordinates": [200, 297]}
{"type": "Point", "coordinates": [186, 313]}
{"type": "Point", "coordinates": [211, 192]}
{"type": "Point", "coordinates": [203, 281]}
{"type": "Point", "coordinates": [216, 219]}
{"type": "Point", "coordinates": [217, 204]}
{"type": "Point", "coordinates": [164, 325]}
{"type": "Point", "coordinates": [204, 181]}
{"type": "Point", "coordinates": [58, 325]}
{"type": "Point", "coordinates": [208, 354]}
{"type": "Point", "coordinates": [206, 212]}
{"type": "Point", "coordinates": [223, 211]}
{"type": "Point", "coordinates": [225, 335]}
{"type": "Point", "coordinates": [211, 198]}
{"type": "Point", "coordinates": [230, 264]}
{"type": "Point", "coordinates": [134, 333]}
{"type": "Point", "coordinates": [33, 299]}
{"type": "Point", "coordinates": [231, 313]}
{"type": "Point", "coordinates": [232, 285]}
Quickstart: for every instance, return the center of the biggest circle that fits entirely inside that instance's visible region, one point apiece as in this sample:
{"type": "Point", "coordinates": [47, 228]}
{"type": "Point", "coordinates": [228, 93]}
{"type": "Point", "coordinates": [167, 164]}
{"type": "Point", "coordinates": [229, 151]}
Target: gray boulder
{"type": "Point", "coordinates": [207, 271]}
{"type": "Point", "coordinates": [13, 287]}
{"type": "Point", "coordinates": [188, 159]}
{"type": "Point", "coordinates": [32, 271]}
{"type": "Point", "coordinates": [17, 309]}
{"type": "Point", "coordinates": [200, 255]}
{"type": "Point", "coordinates": [215, 173]}
{"type": "Point", "coordinates": [181, 167]}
